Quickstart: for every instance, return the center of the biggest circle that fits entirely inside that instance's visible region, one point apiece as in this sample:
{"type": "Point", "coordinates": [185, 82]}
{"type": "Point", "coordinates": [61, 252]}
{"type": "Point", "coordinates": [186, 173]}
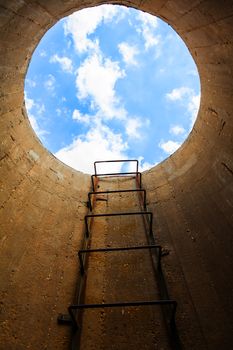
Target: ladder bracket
{"type": "Point", "coordinates": [64, 319]}
{"type": "Point", "coordinates": [165, 252]}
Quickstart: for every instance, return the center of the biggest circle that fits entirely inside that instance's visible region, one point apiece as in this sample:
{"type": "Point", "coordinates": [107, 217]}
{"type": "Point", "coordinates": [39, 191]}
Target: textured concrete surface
{"type": "Point", "coordinates": [191, 193]}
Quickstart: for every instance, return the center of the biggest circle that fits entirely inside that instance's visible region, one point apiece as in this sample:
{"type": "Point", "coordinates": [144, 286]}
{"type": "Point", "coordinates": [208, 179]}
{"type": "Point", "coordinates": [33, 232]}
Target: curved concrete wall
{"type": "Point", "coordinates": [191, 193]}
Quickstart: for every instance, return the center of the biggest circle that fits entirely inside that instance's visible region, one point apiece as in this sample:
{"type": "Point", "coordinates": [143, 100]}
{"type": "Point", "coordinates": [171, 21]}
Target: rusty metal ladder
{"type": "Point", "coordinates": [168, 305]}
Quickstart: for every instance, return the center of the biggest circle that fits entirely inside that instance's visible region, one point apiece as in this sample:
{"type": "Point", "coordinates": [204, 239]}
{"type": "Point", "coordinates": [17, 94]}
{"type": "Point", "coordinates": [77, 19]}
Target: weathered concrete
{"type": "Point", "coordinates": [191, 193]}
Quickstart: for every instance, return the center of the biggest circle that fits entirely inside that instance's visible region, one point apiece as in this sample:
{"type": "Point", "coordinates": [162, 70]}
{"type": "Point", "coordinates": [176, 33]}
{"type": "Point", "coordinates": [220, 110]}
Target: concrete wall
{"type": "Point", "coordinates": [191, 193]}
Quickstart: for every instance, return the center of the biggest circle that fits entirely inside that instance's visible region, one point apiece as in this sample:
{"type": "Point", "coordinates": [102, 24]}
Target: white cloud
{"type": "Point", "coordinates": [65, 63]}
{"type": "Point", "coordinates": [177, 130]}
{"type": "Point", "coordinates": [143, 166]}
{"type": "Point", "coordinates": [82, 118]}
{"type": "Point", "coordinates": [128, 53]}
{"type": "Point", "coordinates": [169, 147]}
{"type": "Point", "coordinates": [34, 124]}
{"type": "Point", "coordinates": [29, 102]}
{"type": "Point", "coordinates": [42, 53]}
{"type": "Point", "coordinates": [38, 130]}
{"type": "Point", "coordinates": [100, 143]}
{"type": "Point", "coordinates": [97, 75]}
{"type": "Point", "coordinates": [96, 79]}
{"type": "Point", "coordinates": [50, 83]}
{"type": "Point", "coordinates": [146, 166]}
{"type": "Point", "coordinates": [148, 26]}
{"type": "Point", "coordinates": [189, 99]}
{"type": "Point", "coordinates": [39, 109]}
{"type": "Point", "coordinates": [179, 93]}
{"type": "Point", "coordinates": [193, 107]}
{"type": "Point", "coordinates": [96, 86]}
{"type": "Point", "coordinates": [148, 19]}
{"type": "Point", "coordinates": [58, 111]}
{"type": "Point", "coordinates": [30, 82]}
{"type": "Point", "coordinates": [132, 126]}
{"type": "Point", "coordinates": [193, 72]}
{"type": "Point", "coordinates": [83, 23]}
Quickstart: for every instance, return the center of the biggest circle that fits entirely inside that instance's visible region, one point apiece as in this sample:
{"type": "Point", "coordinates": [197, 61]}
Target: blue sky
{"type": "Point", "coordinates": [111, 83]}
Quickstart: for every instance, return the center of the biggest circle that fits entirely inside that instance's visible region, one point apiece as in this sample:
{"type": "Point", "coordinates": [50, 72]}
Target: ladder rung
{"type": "Point", "coordinates": [117, 249]}
{"type": "Point", "coordinates": [149, 213]}
{"type": "Point", "coordinates": [115, 191]}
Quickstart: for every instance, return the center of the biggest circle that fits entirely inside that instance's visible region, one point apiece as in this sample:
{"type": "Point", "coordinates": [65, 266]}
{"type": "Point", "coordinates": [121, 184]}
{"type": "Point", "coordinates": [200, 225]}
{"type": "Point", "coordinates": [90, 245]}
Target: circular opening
{"type": "Point", "coordinates": [112, 82]}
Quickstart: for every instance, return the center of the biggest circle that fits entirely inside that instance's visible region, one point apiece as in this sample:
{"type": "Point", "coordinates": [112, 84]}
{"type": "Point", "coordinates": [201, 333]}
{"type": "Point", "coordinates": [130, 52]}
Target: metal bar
{"type": "Point", "coordinates": [115, 191]}
{"type": "Point", "coordinates": [101, 250]}
{"type": "Point", "coordinates": [159, 259]}
{"type": "Point", "coordinates": [116, 161]}
{"type": "Point", "coordinates": [82, 270]}
{"type": "Point", "coordinates": [92, 182]}
{"type": "Point", "coordinates": [119, 214]}
{"type": "Point", "coordinates": [123, 304]}
{"type": "Point", "coordinates": [173, 303]}
{"type": "Point", "coordinates": [119, 249]}
{"type": "Point", "coordinates": [117, 174]}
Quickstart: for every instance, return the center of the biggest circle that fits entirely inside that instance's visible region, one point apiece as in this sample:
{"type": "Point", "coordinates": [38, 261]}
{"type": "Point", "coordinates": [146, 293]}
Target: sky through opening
{"type": "Point", "coordinates": [111, 82]}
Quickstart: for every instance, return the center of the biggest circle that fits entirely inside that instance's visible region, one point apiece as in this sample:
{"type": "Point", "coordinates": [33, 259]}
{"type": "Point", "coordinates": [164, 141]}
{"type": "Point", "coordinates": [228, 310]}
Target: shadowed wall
{"type": "Point", "coordinates": [42, 201]}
